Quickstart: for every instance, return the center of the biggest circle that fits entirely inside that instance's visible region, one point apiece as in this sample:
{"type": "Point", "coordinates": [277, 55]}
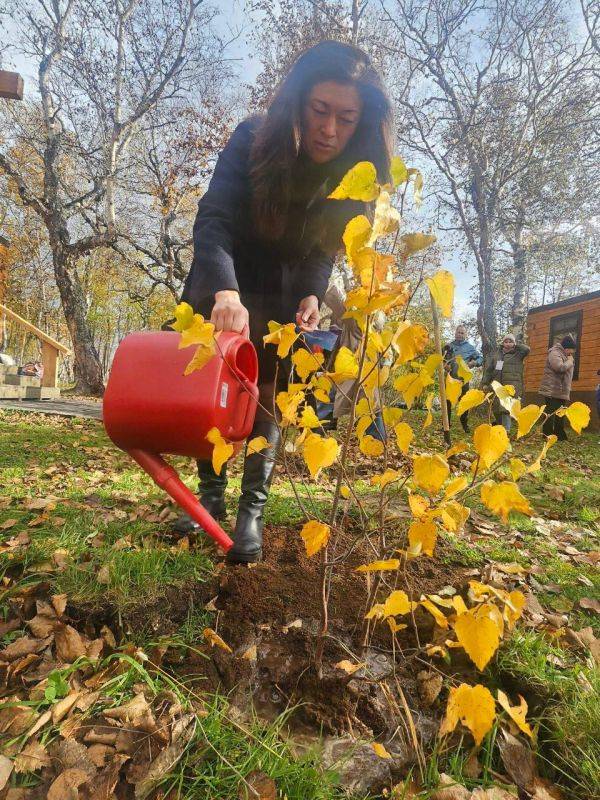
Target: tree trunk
{"type": "Point", "coordinates": [87, 367]}
{"type": "Point", "coordinates": [518, 310]}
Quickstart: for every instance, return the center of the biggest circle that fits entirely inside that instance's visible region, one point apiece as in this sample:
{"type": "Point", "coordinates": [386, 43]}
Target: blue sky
{"type": "Point", "coordinates": [234, 20]}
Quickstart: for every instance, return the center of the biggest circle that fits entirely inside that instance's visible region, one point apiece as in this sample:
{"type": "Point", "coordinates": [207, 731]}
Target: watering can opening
{"type": "Point", "coordinates": [243, 361]}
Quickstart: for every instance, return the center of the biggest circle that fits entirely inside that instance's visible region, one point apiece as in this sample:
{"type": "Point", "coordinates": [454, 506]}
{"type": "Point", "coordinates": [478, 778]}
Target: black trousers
{"type": "Point", "coordinates": [464, 418]}
{"type": "Point", "coordinates": [554, 425]}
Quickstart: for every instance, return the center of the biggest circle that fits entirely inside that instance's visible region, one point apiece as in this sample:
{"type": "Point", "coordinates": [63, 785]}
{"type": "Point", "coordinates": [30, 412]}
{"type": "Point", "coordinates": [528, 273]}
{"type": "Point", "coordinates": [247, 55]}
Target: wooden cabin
{"type": "Point", "coordinates": [580, 318]}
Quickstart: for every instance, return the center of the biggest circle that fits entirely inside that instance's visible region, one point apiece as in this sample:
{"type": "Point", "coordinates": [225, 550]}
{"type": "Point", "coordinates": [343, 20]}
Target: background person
{"type": "Point", "coordinates": [472, 358]}
{"type": "Point", "coordinates": [505, 365]}
{"type": "Point", "coordinates": [555, 387]}
{"type": "Point", "coordinates": [265, 235]}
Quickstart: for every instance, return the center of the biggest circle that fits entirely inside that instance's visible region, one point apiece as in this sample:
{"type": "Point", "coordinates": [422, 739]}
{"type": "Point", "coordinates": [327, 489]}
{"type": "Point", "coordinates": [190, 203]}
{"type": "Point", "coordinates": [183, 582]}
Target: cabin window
{"type": "Point", "coordinates": [567, 325]}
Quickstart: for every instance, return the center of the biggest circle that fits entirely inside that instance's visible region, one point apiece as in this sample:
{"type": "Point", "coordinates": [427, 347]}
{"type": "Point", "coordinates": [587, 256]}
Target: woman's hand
{"type": "Point", "coordinates": [307, 316]}
{"type": "Point", "coordinates": [228, 313]}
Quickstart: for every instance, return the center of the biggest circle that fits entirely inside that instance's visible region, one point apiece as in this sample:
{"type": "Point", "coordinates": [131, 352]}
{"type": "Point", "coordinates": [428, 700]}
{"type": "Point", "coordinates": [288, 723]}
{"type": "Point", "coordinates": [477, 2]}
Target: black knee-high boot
{"type": "Point", "coordinates": [211, 491]}
{"type": "Point", "coordinates": [256, 481]}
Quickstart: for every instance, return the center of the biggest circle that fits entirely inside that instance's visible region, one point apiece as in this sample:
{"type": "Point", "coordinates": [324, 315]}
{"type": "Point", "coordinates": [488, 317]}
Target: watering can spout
{"type": "Point", "coordinates": [165, 476]}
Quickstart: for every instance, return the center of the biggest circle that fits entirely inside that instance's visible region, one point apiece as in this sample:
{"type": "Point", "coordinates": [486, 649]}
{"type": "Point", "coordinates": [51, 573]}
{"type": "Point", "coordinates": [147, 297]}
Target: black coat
{"type": "Point", "coordinates": [271, 277]}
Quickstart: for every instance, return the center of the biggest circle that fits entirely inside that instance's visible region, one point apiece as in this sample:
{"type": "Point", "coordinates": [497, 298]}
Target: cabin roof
{"type": "Point", "coordinates": [580, 298]}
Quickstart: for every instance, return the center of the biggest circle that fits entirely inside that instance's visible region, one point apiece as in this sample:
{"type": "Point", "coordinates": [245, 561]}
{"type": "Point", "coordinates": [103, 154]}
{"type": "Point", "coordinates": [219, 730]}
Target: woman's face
{"type": "Point", "coordinates": [508, 345]}
{"type": "Point", "coordinates": [331, 115]}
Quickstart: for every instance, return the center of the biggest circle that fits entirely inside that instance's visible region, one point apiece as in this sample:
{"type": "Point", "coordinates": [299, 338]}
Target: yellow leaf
{"type": "Point", "coordinates": [199, 332]}
{"type": "Point", "coordinates": [371, 446]}
{"type": "Point", "coordinates": [392, 415]}
{"type": "Point", "coordinates": [319, 452]}
{"type": "Point", "coordinates": [454, 516]}
{"type": "Point", "coordinates": [491, 442]}
{"type": "Point", "coordinates": [441, 287]}
{"type": "Point", "coordinates": [411, 385]}
{"type": "Point", "coordinates": [456, 485]}
{"type": "Point", "coordinates": [356, 235]}
{"type": "Point", "coordinates": [389, 476]}
{"type": "Point", "coordinates": [397, 603]}
{"type": "Point", "coordinates": [184, 316]}
{"type": "Point", "coordinates": [321, 386]}
{"type": "Point", "coordinates": [537, 464]}
{"type": "Point", "coordinates": [453, 389]}
{"type": "Point", "coordinates": [423, 533]}
{"type": "Point", "coordinates": [398, 171]}
{"type": "Point", "coordinates": [345, 492]}
{"type": "Point", "coordinates": [345, 367]}
{"type": "Point", "coordinates": [395, 626]}
{"type": "Point", "coordinates": [515, 604]}
{"type": "Point", "coordinates": [578, 415]}
{"type": "Point", "coordinates": [478, 635]}
{"type": "Point", "coordinates": [359, 183]}
{"type": "Point", "coordinates": [412, 243]}
{"type": "Point", "coordinates": [380, 750]}
{"type": "Point", "coordinates": [504, 497]}
{"type": "Point", "coordinates": [283, 336]}
{"type": "Point", "coordinates": [306, 362]}
{"type": "Point", "coordinates": [463, 372]}
{"type": "Point", "coordinates": [348, 666]}
{"type": "Point", "coordinates": [404, 436]}
{"type": "Point", "coordinates": [201, 358]}
{"type": "Point", "coordinates": [473, 706]}
{"type": "Point", "coordinates": [386, 219]}
{"type": "Point", "coordinates": [410, 341]}
{"type": "Point", "coordinates": [221, 450]}
{"type": "Point", "coordinates": [417, 180]}
{"type": "Point", "coordinates": [431, 364]}
{"type": "Point", "coordinates": [517, 468]}
{"type": "Point", "coordinates": [308, 418]}
{"type": "Point", "coordinates": [469, 400]}
{"type": "Point", "coordinates": [379, 566]}
{"type": "Point", "coordinates": [516, 713]}
{"type": "Point", "coordinates": [315, 535]}
{"type": "Point", "coordinates": [505, 395]}
{"type": "Point", "coordinates": [372, 268]}
{"type": "Point", "coordinates": [418, 505]}
{"type": "Point", "coordinates": [256, 445]}
{"type": "Point", "coordinates": [214, 639]}
{"type": "Point", "coordinates": [430, 472]}
{"type": "Point", "coordinates": [439, 617]}
{"type": "Point", "coordinates": [459, 447]}
{"type": "Point", "coordinates": [527, 417]}
{"type": "Point", "coordinates": [287, 403]}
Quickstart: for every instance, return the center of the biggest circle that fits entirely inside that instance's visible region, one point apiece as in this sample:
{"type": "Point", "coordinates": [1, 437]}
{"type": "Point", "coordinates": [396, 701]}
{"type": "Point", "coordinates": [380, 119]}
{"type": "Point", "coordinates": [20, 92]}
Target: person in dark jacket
{"type": "Point", "coordinates": [505, 365]}
{"type": "Point", "coordinates": [472, 358]}
{"type": "Point", "coordinates": [265, 235]}
{"type": "Point", "coordinates": [555, 387]}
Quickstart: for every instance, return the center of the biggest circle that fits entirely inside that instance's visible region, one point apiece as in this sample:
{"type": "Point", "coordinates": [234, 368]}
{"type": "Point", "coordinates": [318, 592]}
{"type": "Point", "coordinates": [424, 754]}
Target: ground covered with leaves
{"type": "Point", "coordinates": [135, 665]}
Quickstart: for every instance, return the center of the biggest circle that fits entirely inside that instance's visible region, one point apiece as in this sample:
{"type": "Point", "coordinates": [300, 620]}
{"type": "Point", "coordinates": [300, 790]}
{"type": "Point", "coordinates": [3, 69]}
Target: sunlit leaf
{"type": "Point", "coordinates": [470, 399]}
{"type": "Point", "coordinates": [184, 316]}
{"type": "Point", "coordinates": [453, 389]}
{"type": "Point", "coordinates": [478, 635]}
{"type": "Point", "coordinates": [222, 450]}
{"type": "Point", "coordinates": [356, 235]}
{"type": "Point", "coordinates": [578, 415]}
{"type": "Point", "coordinates": [431, 364]}
{"type": "Point", "coordinates": [456, 485]}
{"type": "Point", "coordinates": [380, 750]}
{"type": "Point", "coordinates": [345, 366]}
{"type": "Point", "coordinates": [517, 468]}
{"type": "Point", "coordinates": [411, 385]}
{"type": "Point", "coordinates": [463, 372]}
{"type": "Point", "coordinates": [348, 666]}
{"type": "Point", "coordinates": [319, 452]}
{"type": "Point", "coordinates": [379, 566]}
{"type": "Point", "coordinates": [392, 415]}
{"type": "Point", "coordinates": [308, 418]}
{"type": "Point", "coordinates": [257, 445]}
{"type": "Point", "coordinates": [409, 340]}
{"type": "Point", "coordinates": [283, 336]}
{"type": "Point", "coordinates": [537, 464]}
{"type": "Point", "coordinates": [459, 447]}
{"type": "Point", "coordinates": [435, 612]}
{"type": "Point", "coordinates": [371, 446]}
{"type": "Point", "coordinates": [359, 183]}
{"type": "Point", "coordinates": [386, 219]}
{"type": "Point", "coordinates": [199, 332]}
{"type": "Point", "coordinates": [321, 386]}
{"type": "Point", "coordinates": [418, 505]}
{"type": "Point", "coordinates": [490, 442]}
{"type": "Point", "coordinates": [411, 243]}
{"type": "Point", "coordinates": [453, 515]}
{"type": "Point", "coordinates": [398, 171]}
{"type": "Point", "coordinates": [215, 640]}
{"type": "Point", "coordinates": [204, 353]}
{"type": "Point", "coordinates": [423, 533]}
{"type": "Point", "coordinates": [387, 477]}
{"type": "Point", "coordinates": [306, 362]}
{"type": "Point", "coordinates": [516, 713]}
{"type": "Point", "coordinates": [287, 403]}
{"type": "Point", "coordinates": [441, 286]}
{"type": "Point", "coordinates": [504, 497]}
{"type": "Point", "coordinates": [315, 535]}
{"type": "Point", "coordinates": [505, 395]}
{"type": "Point", "coordinates": [473, 706]}
{"type": "Point", "coordinates": [396, 604]}
{"type": "Point", "coordinates": [526, 418]}
{"type": "Point", "coordinates": [430, 472]}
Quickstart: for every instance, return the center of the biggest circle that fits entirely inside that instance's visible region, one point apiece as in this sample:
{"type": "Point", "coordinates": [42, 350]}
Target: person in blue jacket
{"type": "Point", "coordinates": [265, 236]}
{"type": "Point", "coordinates": [472, 358]}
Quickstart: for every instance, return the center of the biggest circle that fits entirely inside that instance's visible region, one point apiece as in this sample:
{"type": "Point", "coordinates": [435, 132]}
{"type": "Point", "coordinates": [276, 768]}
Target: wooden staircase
{"type": "Point", "coordinates": [22, 387]}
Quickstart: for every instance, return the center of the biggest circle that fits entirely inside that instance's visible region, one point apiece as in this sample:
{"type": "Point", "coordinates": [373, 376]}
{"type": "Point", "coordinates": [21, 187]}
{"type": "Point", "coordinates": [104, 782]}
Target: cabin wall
{"type": "Point", "coordinates": [538, 333]}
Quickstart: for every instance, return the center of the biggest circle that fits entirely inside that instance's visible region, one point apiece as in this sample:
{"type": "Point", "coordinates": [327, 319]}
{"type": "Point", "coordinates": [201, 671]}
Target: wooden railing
{"type": "Point", "coordinates": [50, 347]}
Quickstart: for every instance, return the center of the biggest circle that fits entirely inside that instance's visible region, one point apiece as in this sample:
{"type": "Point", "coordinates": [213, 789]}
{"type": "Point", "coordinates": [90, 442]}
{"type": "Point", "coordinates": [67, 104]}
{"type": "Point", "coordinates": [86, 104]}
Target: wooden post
{"type": "Point", "coordinates": [441, 372]}
{"type": "Point", "coordinates": [11, 85]}
{"type": "Point", "coordinates": [49, 361]}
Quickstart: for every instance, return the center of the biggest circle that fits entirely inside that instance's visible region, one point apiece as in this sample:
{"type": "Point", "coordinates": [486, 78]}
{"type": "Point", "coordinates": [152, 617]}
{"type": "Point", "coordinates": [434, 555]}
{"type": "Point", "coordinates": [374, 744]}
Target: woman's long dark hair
{"type": "Point", "coordinates": [277, 143]}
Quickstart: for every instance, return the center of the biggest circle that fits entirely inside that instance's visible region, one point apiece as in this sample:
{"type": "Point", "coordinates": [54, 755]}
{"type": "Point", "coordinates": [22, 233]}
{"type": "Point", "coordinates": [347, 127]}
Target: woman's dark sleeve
{"type": "Point", "coordinates": [313, 274]}
{"type": "Point", "coordinates": [219, 211]}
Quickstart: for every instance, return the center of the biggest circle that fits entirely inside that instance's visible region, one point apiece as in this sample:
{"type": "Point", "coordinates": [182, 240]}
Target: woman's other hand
{"type": "Point", "coordinates": [307, 316]}
{"type": "Point", "coordinates": [228, 313]}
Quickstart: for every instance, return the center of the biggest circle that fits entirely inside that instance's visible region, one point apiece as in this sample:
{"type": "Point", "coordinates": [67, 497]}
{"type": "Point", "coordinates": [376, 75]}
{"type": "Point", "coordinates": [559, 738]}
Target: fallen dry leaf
{"type": "Point", "coordinates": [164, 762]}
{"type": "Point", "coordinates": [429, 683]}
{"type": "Point", "coordinates": [250, 654]}
{"type": "Point", "coordinates": [518, 760]}
{"type": "Point", "coordinates": [32, 757]}
{"type": "Point", "coordinates": [6, 768]}
{"type": "Point", "coordinates": [7, 524]}
{"type": "Point", "coordinates": [62, 787]}
{"type": "Point", "coordinates": [348, 666]}
{"type": "Point", "coordinates": [590, 604]}
{"type": "Point", "coordinates": [449, 789]}
{"type": "Point", "coordinates": [214, 639]}
{"type": "Point", "coordinates": [69, 644]}
{"type": "Point", "coordinates": [257, 786]}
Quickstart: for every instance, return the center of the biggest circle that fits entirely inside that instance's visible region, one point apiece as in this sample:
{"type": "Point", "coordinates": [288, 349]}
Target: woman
{"type": "Point", "coordinates": [505, 365]}
{"type": "Point", "coordinates": [556, 384]}
{"type": "Point", "coordinates": [265, 236]}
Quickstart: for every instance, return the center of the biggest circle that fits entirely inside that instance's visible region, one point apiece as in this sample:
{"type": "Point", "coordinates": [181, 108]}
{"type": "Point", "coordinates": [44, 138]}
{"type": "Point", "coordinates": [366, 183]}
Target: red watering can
{"type": "Point", "coordinates": [150, 407]}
